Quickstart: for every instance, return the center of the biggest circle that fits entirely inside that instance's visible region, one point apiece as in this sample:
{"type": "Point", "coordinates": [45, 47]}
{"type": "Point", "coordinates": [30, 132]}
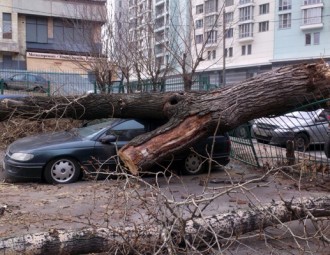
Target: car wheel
{"type": "Point", "coordinates": [242, 132]}
{"type": "Point", "coordinates": [301, 142]}
{"type": "Point", "coordinates": [62, 171]}
{"type": "Point", "coordinates": [193, 164]}
{"type": "Point", "coordinates": [327, 147]}
{"type": "Point", "coordinates": [39, 89]}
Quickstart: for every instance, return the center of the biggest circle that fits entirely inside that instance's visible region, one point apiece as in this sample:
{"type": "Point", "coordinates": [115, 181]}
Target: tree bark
{"type": "Point", "coordinates": [191, 116]}
{"type": "Point", "coordinates": [146, 239]}
{"type": "Point", "coordinates": [192, 119]}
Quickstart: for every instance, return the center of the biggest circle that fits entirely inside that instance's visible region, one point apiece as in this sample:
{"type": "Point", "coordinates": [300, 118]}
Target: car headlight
{"type": "Point", "coordinates": [20, 156]}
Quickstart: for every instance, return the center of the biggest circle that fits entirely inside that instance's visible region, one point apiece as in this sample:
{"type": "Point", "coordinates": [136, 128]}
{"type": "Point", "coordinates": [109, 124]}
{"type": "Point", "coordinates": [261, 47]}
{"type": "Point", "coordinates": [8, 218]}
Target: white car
{"type": "Point", "coordinates": [303, 127]}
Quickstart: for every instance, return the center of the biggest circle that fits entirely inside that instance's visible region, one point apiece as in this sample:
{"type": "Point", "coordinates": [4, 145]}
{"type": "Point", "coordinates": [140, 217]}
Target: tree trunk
{"type": "Point", "coordinates": [192, 116]}
{"type": "Point", "coordinates": [146, 239]}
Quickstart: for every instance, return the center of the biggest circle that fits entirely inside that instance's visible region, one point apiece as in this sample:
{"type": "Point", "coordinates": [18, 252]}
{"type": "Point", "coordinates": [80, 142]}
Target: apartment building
{"type": "Point", "coordinates": [259, 35]}
{"type": "Point", "coordinates": [50, 34]}
{"type": "Point", "coordinates": [302, 31]}
{"type": "Point", "coordinates": [242, 37]}
{"type": "Point", "coordinates": [160, 25]}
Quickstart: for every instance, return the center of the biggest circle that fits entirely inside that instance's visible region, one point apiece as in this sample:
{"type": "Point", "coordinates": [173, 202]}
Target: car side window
{"type": "Point", "coordinates": [127, 130]}
{"type": "Point", "coordinates": [19, 77]}
{"type": "Point", "coordinates": [31, 78]}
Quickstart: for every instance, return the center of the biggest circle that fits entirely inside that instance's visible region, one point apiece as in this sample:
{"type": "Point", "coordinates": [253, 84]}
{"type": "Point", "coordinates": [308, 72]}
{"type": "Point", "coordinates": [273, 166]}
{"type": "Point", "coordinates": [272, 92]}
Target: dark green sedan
{"type": "Point", "coordinates": [60, 157]}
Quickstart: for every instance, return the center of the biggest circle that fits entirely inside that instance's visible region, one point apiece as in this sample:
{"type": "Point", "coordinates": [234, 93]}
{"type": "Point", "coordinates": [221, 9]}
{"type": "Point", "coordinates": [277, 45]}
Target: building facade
{"type": "Point", "coordinates": [259, 35]}
{"type": "Point", "coordinates": [50, 34]}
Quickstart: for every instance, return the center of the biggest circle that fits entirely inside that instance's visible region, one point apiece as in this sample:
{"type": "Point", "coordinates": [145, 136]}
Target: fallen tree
{"type": "Point", "coordinates": [189, 236]}
{"type": "Point", "coordinates": [191, 116]}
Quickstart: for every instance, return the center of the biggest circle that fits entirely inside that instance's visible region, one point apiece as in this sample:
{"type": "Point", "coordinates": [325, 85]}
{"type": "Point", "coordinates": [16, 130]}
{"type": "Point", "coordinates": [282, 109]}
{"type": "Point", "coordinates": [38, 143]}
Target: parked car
{"type": "Point", "coordinates": [26, 82]}
{"type": "Point", "coordinates": [58, 157]}
{"type": "Point", "coordinates": [303, 127]}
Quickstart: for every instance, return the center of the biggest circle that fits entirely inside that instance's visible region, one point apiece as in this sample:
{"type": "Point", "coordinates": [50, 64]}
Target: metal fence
{"type": "Point", "coordinates": [260, 142]}
{"type": "Point", "coordinates": [50, 83]}
{"type": "Point", "coordinates": [299, 136]}
{"type": "Point", "coordinates": [65, 84]}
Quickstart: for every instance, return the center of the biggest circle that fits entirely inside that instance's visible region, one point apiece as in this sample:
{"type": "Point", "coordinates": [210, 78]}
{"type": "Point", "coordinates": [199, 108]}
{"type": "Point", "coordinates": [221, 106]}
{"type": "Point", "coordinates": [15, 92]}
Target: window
{"type": "Point", "coordinates": [245, 30]}
{"type": "Point", "coordinates": [211, 21]}
{"type": "Point", "coordinates": [211, 6]}
{"type": "Point", "coordinates": [229, 17]}
{"type": "Point", "coordinates": [6, 26]}
{"type": "Point", "coordinates": [211, 54]}
{"type": "Point", "coordinates": [245, 1]}
{"type": "Point", "coordinates": [246, 13]}
{"type": "Point", "coordinates": [36, 29]}
{"type": "Point", "coordinates": [246, 49]}
{"type": "Point", "coordinates": [66, 32]}
{"type": "Point", "coordinates": [127, 130]}
{"type": "Point", "coordinates": [263, 9]}
{"type": "Point", "coordinates": [316, 38]}
{"type": "Point", "coordinates": [198, 23]}
{"type": "Point", "coordinates": [285, 21]}
{"type": "Point", "coordinates": [264, 26]}
{"type": "Point", "coordinates": [199, 9]}
{"type": "Point", "coordinates": [211, 36]}
{"type": "Point", "coordinates": [229, 52]}
{"type": "Point", "coordinates": [307, 2]}
{"type": "Point", "coordinates": [308, 39]}
{"type": "Point", "coordinates": [284, 5]}
{"type": "Point", "coordinates": [229, 33]}
{"type": "Point", "coordinates": [199, 39]}
{"type": "Point", "coordinates": [312, 16]}
{"type": "Point", "coordinates": [229, 2]}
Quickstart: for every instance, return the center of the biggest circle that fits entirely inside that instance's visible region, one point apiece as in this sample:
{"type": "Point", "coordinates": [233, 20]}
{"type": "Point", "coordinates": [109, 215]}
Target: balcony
{"type": "Point", "coordinates": [311, 23]}
{"type": "Point", "coordinates": [83, 10]}
{"type": "Point", "coordinates": [245, 3]}
{"type": "Point", "coordinates": [9, 47]}
{"type": "Point", "coordinates": [245, 37]}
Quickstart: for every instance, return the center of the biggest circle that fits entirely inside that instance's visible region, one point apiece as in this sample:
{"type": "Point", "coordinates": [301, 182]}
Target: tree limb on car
{"type": "Point", "coordinates": [191, 116]}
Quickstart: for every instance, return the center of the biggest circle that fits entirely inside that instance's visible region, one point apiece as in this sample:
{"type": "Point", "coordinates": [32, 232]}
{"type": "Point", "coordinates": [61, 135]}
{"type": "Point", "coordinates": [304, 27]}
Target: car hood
{"type": "Point", "coordinates": [284, 122]}
{"type": "Point", "coordinates": [44, 140]}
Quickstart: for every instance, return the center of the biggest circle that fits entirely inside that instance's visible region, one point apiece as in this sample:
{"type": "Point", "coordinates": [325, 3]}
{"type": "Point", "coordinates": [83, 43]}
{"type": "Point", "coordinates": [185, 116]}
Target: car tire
{"type": "Point", "coordinates": [193, 164]}
{"type": "Point", "coordinates": [39, 89]}
{"type": "Point", "coordinates": [62, 171]}
{"type": "Point", "coordinates": [301, 142]}
{"type": "Point", "coordinates": [242, 132]}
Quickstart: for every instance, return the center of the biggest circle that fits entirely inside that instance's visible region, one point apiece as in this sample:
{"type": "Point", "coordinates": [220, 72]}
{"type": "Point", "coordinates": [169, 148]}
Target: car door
{"type": "Point", "coordinates": [125, 131]}
{"type": "Point", "coordinates": [31, 82]}
{"type": "Point", "coordinates": [18, 82]}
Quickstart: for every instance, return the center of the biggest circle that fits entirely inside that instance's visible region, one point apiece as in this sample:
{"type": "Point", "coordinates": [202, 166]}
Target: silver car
{"type": "Point", "coordinates": [27, 82]}
{"type": "Point", "coordinates": [302, 127]}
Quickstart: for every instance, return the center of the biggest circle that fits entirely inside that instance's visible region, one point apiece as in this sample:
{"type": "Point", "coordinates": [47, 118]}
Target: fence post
{"type": "Point", "coordinates": [48, 88]}
{"type": "Point", "coordinates": [1, 86]}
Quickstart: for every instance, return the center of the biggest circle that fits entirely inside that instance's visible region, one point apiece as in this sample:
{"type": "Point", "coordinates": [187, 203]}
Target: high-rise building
{"type": "Point", "coordinates": [232, 39]}
{"type": "Point", "coordinates": [49, 34]}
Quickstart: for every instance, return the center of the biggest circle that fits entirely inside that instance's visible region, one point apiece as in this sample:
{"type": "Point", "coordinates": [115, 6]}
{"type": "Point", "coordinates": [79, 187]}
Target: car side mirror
{"type": "Point", "coordinates": [108, 139]}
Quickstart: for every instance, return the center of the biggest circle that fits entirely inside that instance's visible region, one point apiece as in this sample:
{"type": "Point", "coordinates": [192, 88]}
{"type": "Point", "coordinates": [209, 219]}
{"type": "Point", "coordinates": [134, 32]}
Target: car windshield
{"type": "Point", "coordinates": [91, 130]}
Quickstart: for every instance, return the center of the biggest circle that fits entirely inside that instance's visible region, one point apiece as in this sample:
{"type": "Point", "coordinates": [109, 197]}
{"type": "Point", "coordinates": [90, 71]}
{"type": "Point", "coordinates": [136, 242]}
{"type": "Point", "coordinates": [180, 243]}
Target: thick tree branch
{"type": "Point", "coordinates": [147, 239]}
